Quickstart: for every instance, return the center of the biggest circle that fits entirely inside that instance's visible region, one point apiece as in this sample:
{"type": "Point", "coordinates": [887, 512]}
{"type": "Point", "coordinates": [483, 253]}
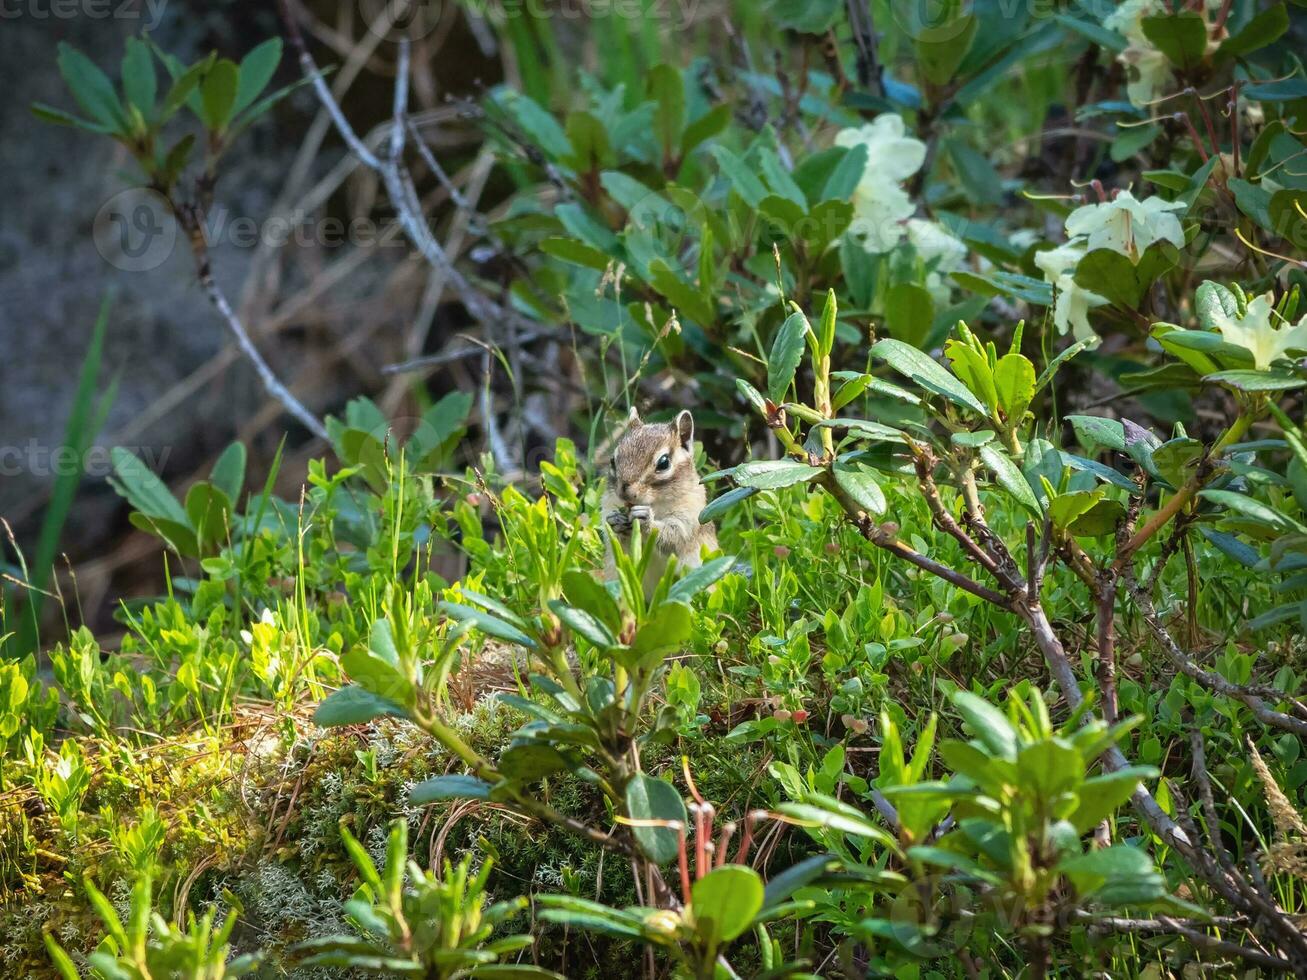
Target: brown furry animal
{"type": "Point", "coordinates": [652, 481]}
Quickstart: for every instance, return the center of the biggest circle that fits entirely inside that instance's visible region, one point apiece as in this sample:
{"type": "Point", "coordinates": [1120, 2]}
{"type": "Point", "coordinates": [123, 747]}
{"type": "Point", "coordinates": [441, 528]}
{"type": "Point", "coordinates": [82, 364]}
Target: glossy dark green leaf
{"type": "Point", "coordinates": [487, 623]}
{"type": "Point", "coordinates": [724, 902]}
{"type": "Point", "coordinates": [354, 705]}
{"type": "Point", "coordinates": [786, 353]}
{"type": "Point", "coordinates": [656, 799]}
{"type": "Point", "coordinates": [724, 502]}
{"type": "Point", "coordinates": [861, 483]}
{"type": "Point", "coordinates": [925, 371]}
{"type": "Point", "coordinates": [773, 474]}
{"type": "Point", "coordinates": [1182, 37]}
{"type": "Point", "coordinates": [452, 787]}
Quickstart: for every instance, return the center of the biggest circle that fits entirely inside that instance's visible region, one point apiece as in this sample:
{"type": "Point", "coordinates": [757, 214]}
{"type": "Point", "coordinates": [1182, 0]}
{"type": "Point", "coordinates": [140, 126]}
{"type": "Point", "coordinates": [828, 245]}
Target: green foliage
{"type": "Point", "coordinates": [417, 924]}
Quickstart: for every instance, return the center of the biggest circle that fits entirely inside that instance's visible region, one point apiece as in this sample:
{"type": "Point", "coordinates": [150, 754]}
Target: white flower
{"type": "Point", "coordinates": [1255, 332]}
{"type": "Point", "coordinates": [892, 155]}
{"type": "Point", "coordinates": [1148, 74]}
{"type": "Point", "coordinates": [1127, 19]}
{"type": "Point", "coordinates": [939, 250]}
{"type": "Point", "coordinates": [879, 210]}
{"type": "Point", "coordinates": [1127, 225]}
{"type": "Point", "coordinates": [880, 205]}
{"type": "Point", "coordinates": [1071, 310]}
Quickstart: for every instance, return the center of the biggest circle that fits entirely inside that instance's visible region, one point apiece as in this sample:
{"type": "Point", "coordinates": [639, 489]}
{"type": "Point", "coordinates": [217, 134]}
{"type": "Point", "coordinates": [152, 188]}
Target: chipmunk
{"type": "Point", "coordinates": [652, 480]}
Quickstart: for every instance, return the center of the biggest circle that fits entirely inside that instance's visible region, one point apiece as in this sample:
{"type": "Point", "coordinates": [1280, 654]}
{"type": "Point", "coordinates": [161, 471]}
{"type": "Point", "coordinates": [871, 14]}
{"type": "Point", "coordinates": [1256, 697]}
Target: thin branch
{"type": "Point", "coordinates": [1209, 679]}
{"type": "Point", "coordinates": [1189, 930]}
{"type": "Point", "coordinates": [193, 224]}
{"type": "Point", "coordinates": [398, 182]}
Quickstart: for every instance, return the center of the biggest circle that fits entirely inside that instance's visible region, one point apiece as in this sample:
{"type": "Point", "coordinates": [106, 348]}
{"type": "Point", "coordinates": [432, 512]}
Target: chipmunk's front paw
{"type": "Point", "coordinates": [619, 521]}
{"type": "Point", "coordinates": [642, 514]}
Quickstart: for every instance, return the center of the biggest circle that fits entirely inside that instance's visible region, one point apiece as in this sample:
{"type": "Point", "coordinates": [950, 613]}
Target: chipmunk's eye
{"type": "Point", "coordinates": [664, 463]}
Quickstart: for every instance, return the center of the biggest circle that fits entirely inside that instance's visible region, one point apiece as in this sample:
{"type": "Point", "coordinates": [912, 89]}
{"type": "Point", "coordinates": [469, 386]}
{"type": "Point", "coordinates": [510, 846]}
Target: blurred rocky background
{"type": "Point", "coordinates": [330, 292]}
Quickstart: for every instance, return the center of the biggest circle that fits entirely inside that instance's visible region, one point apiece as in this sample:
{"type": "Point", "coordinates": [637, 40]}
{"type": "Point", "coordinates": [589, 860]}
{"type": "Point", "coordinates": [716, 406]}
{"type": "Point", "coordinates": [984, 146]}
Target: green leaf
{"type": "Point", "coordinates": [218, 94]}
{"type": "Point", "coordinates": [909, 312]}
{"type": "Point", "coordinates": [585, 592]}
{"type": "Point", "coordinates": [63, 963]}
{"type": "Point", "coordinates": [773, 474]}
{"type": "Point", "coordinates": [580, 621]}
{"type": "Point", "coordinates": [487, 623]}
{"type": "Point", "coordinates": [209, 512]}
{"type": "Point", "coordinates": [844, 179]}
{"type": "Point", "coordinates": [978, 177]}
{"type": "Point", "coordinates": [859, 481]}
{"type": "Point", "coordinates": [667, 91]}
{"type": "Point", "coordinates": [139, 83]}
{"type": "Point", "coordinates": [1051, 370]}
{"type": "Point", "coordinates": [1065, 508]}
{"type": "Point", "coordinates": [1264, 29]}
{"type": "Point", "coordinates": [724, 902]}
{"type": "Point", "coordinates": [539, 124]}
{"type": "Point", "coordinates": [973, 370]}
{"type": "Point", "coordinates": [91, 88]}
{"type": "Point", "coordinates": [926, 372]}
{"type": "Point", "coordinates": [1253, 509]}
{"type": "Point", "coordinates": [228, 473]}
{"type": "Point", "coordinates": [183, 85]}
{"type": "Point", "coordinates": [1101, 796]}
{"type": "Point", "coordinates": [1094, 431]}
{"type": "Point", "coordinates": [48, 113]}
{"type": "Point", "coordinates": [256, 71]}
{"type": "Point", "coordinates": [1014, 380]}
{"type": "Point", "coordinates": [805, 16]}
{"type": "Point", "coordinates": [530, 762]}
{"type": "Point", "coordinates": [143, 490]}
{"type": "Point", "coordinates": [655, 799]}
{"type": "Point", "coordinates": [377, 675]}
{"type": "Point", "coordinates": [786, 352]}
{"type": "Point", "coordinates": [1049, 768]}
{"type": "Point", "coordinates": [1100, 519]}
{"type": "Point", "coordinates": [741, 175]}
{"type": "Point", "coordinates": [942, 46]}
{"type": "Point", "coordinates": [1010, 477]}
{"type": "Point", "coordinates": [354, 705]}
{"type": "Point", "coordinates": [680, 294]}
{"type": "Point", "coordinates": [705, 127]}
{"type": "Point", "coordinates": [698, 579]}
{"type": "Point", "coordinates": [1114, 277]}
{"type": "Point", "coordinates": [987, 723]}
{"type": "Point", "coordinates": [721, 504]}
{"type": "Point", "coordinates": [1269, 380]}
{"type": "Point", "coordinates": [1181, 37]}
{"type": "Point", "coordinates": [453, 787]}
{"type": "Point", "coordinates": [666, 631]}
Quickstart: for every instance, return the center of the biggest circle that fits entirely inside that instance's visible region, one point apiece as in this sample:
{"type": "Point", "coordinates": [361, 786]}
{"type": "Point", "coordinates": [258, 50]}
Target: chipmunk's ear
{"type": "Point", "coordinates": [633, 418]}
{"type": "Point", "coordinates": [685, 429]}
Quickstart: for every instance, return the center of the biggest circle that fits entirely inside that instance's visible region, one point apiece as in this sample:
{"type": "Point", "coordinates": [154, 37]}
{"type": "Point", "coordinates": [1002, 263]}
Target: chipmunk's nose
{"type": "Point", "coordinates": [627, 495]}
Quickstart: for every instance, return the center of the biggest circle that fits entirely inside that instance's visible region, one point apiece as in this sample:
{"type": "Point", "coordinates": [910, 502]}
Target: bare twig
{"type": "Point", "coordinates": [193, 224]}
{"type": "Point", "coordinates": [396, 178]}
{"type": "Point", "coordinates": [1250, 696]}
